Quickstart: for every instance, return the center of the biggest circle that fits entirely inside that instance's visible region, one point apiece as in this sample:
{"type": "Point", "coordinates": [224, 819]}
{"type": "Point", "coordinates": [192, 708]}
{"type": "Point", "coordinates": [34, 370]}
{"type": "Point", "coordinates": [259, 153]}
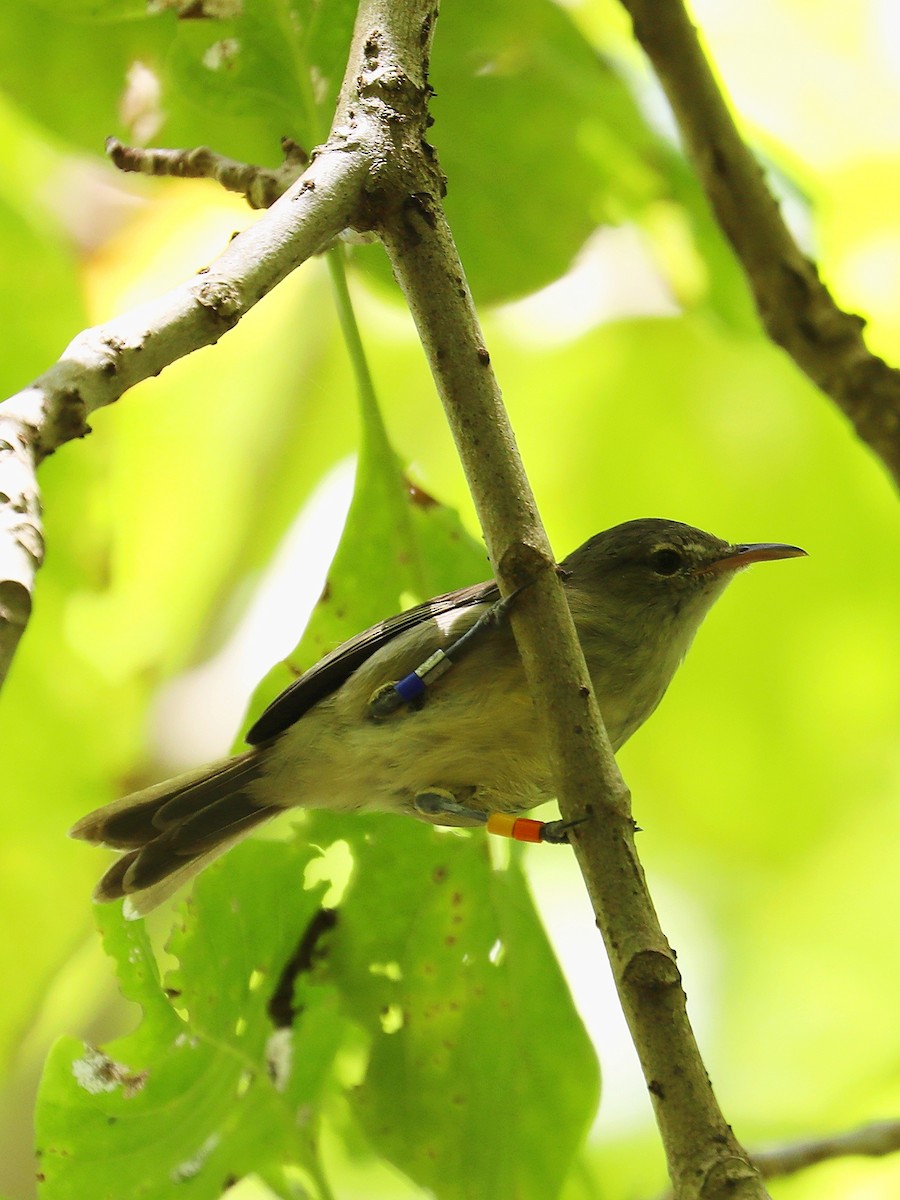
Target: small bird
{"type": "Point", "coordinates": [414, 716]}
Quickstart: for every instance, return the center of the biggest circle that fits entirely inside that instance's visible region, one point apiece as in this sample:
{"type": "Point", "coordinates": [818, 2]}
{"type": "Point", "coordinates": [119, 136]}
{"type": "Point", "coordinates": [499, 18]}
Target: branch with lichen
{"type": "Point", "coordinates": [794, 305]}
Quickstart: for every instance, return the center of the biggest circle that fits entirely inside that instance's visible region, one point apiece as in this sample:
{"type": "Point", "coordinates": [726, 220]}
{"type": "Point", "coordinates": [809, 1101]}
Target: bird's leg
{"type": "Point", "coordinates": [526, 829]}
{"type": "Point", "coordinates": [438, 802]}
{"type": "Point", "coordinates": [557, 832]}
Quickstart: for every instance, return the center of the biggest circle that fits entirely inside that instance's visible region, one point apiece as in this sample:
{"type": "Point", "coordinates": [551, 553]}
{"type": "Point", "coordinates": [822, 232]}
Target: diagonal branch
{"type": "Point", "coordinates": [795, 306]}
{"type": "Point", "coordinates": [103, 363]}
{"type": "Point", "coordinates": [384, 103]}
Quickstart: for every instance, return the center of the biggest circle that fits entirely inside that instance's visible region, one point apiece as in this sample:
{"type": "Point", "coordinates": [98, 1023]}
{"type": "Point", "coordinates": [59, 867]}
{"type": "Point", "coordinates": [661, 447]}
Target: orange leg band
{"type": "Point", "coordinates": [521, 829]}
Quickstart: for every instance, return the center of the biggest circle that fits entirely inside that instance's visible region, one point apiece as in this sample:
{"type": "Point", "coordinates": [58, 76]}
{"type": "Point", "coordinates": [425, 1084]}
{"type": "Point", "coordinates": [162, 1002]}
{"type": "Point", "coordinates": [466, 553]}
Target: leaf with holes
{"type": "Point", "coordinates": [205, 1090]}
{"type": "Point", "coordinates": [481, 1080]}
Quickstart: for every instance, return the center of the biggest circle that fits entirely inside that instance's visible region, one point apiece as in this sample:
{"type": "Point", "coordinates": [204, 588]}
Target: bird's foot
{"type": "Point", "coordinates": [439, 802]}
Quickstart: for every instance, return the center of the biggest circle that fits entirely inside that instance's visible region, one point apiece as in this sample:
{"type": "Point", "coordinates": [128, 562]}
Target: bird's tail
{"type": "Point", "coordinates": [172, 830]}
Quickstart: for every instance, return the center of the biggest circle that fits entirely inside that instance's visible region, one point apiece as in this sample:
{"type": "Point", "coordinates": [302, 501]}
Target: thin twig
{"type": "Point", "coordinates": [873, 1141]}
{"type": "Point", "coordinates": [260, 186]}
{"type": "Point", "coordinates": [796, 308]}
{"type": "Point", "coordinates": [384, 104]}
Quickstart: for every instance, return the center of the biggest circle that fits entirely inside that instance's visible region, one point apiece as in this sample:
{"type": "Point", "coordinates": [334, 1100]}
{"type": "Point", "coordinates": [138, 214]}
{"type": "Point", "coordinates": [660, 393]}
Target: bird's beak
{"type": "Point", "coordinates": [739, 557]}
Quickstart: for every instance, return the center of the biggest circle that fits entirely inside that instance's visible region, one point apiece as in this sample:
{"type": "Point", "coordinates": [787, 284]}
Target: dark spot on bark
{"type": "Point", "coordinates": [420, 203]}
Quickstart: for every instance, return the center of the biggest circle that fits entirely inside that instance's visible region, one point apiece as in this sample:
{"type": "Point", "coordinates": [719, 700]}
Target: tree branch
{"type": "Point", "coordinates": [102, 363]}
{"type": "Point", "coordinates": [874, 1141]}
{"type": "Point", "coordinates": [796, 308]}
{"type": "Point", "coordinates": [378, 172]}
{"type": "Point", "coordinates": [384, 103]}
{"type": "Point", "coordinates": [260, 186]}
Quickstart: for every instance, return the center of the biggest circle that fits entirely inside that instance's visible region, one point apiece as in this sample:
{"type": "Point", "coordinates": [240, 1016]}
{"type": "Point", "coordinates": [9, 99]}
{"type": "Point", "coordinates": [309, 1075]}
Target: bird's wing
{"type": "Point", "coordinates": [331, 671]}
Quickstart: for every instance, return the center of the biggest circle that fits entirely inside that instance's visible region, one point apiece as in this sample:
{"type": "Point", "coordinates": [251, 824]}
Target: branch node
{"type": "Point", "coordinates": [726, 1176]}
{"type": "Point", "coordinates": [15, 603]}
{"type": "Point", "coordinates": [221, 298]}
{"type": "Point", "coordinates": [71, 422]}
{"type": "Point", "coordinates": [521, 563]}
{"type": "Point", "coordinates": [651, 969]}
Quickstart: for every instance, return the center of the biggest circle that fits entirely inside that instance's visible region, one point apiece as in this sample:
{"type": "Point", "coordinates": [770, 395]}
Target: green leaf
{"type": "Point", "coordinates": [438, 956]}
{"type": "Point", "coordinates": [523, 101]}
{"type": "Point", "coordinates": [73, 52]}
{"type": "Point", "coordinates": [482, 1080]}
{"type": "Point", "coordinates": [399, 546]}
{"type": "Point", "coordinates": [101, 10]}
{"type": "Point", "coordinates": [193, 1097]}
{"type": "Point", "coordinates": [75, 48]}
{"type": "Point", "coordinates": [529, 122]}
{"type": "Point", "coordinates": [284, 59]}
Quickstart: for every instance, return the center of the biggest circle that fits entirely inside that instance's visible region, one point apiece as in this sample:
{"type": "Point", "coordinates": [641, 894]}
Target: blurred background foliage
{"type": "Point", "coordinates": [190, 534]}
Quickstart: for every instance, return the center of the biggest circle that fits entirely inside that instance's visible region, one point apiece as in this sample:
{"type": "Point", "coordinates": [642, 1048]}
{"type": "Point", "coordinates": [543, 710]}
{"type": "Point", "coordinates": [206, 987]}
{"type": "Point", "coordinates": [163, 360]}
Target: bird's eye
{"type": "Point", "coordinates": [666, 561]}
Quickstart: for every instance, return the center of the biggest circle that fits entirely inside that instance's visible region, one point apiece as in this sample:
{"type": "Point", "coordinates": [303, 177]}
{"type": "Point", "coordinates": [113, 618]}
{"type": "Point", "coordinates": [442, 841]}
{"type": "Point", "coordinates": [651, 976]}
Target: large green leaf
{"type": "Point", "coordinates": [398, 546]}
{"type": "Point", "coordinates": [523, 101]}
{"type": "Point", "coordinates": [481, 1078]}
{"type": "Point", "coordinates": [539, 138]}
{"type": "Point", "coordinates": [207, 1089]}
{"type": "Point", "coordinates": [281, 58]}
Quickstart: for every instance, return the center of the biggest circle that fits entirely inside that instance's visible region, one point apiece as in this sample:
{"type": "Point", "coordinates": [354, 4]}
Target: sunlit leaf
{"type": "Point", "coordinates": [476, 1049]}
{"type": "Point", "coordinates": [204, 1091]}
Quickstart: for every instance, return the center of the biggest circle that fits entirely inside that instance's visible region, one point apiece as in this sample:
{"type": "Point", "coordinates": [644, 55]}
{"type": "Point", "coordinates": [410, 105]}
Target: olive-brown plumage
{"type": "Point", "coordinates": [638, 593]}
